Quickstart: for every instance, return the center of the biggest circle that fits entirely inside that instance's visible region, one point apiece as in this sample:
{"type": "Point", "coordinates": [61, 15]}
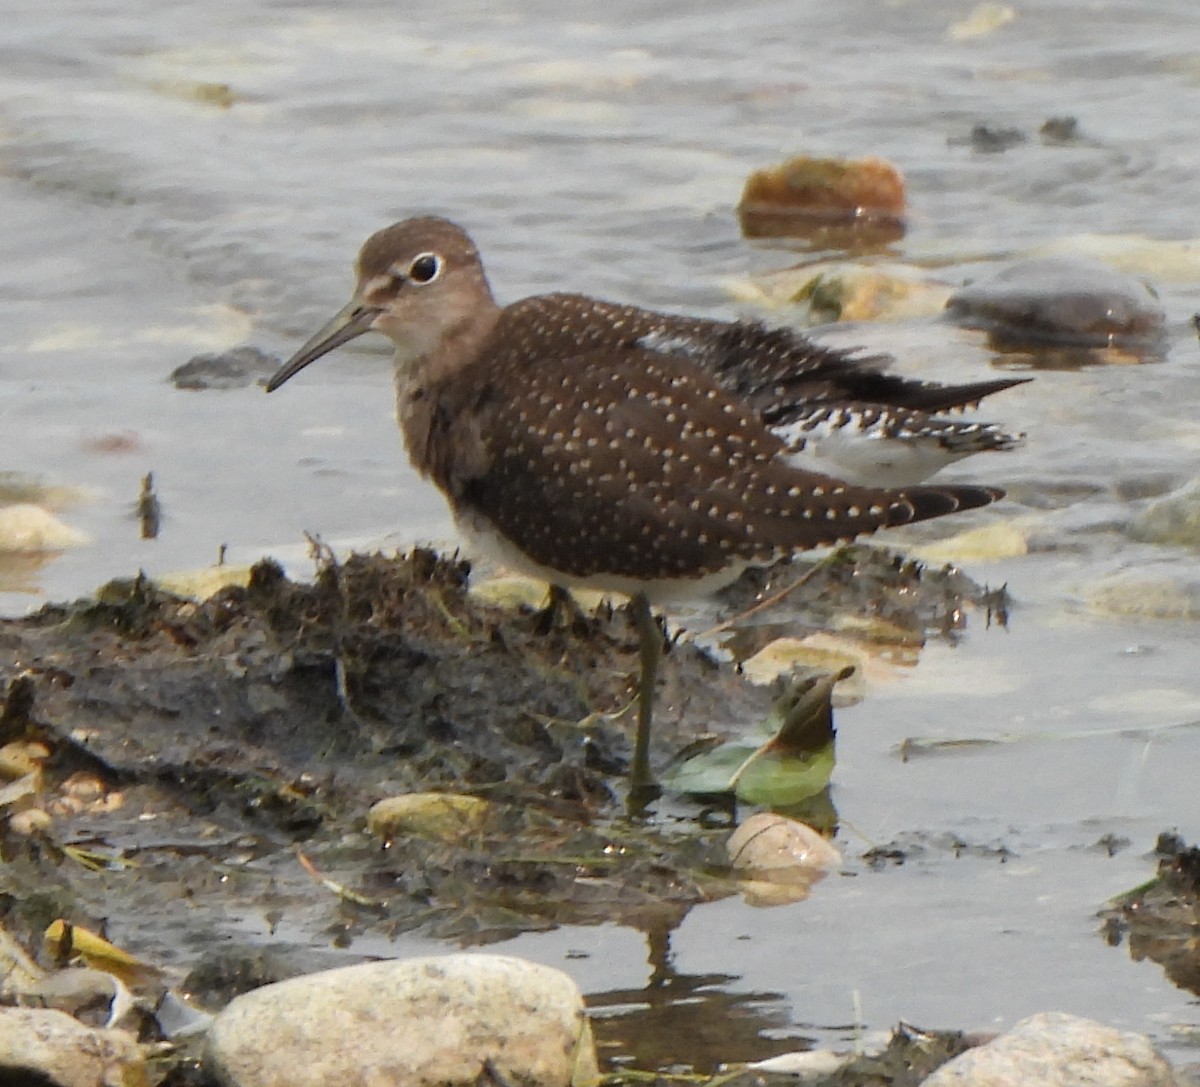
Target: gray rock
{"type": "Point", "coordinates": [1149, 591]}
{"type": "Point", "coordinates": [40, 1045]}
{"type": "Point", "coordinates": [1173, 520]}
{"type": "Point", "coordinates": [1054, 1049]}
{"type": "Point", "coordinates": [1062, 302]}
{"type": "Point", "coordinates": [232, 369]}
{"type": "Point", "coordinates": [446, 1021]}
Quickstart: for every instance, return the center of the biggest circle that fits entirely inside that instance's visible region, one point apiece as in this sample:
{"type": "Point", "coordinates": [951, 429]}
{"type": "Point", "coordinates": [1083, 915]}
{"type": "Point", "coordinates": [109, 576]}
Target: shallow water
{"type": "Point", "coordinates": [605, 150]}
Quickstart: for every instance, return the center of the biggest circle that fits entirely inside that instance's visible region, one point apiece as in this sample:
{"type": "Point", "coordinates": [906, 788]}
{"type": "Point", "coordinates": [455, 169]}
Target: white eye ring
{"type": "Point", "coordinates": [425, 268]}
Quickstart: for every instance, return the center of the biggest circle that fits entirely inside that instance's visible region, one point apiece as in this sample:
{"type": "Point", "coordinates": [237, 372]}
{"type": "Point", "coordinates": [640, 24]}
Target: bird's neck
{"type": "Point", "coordinates": [427, 377]}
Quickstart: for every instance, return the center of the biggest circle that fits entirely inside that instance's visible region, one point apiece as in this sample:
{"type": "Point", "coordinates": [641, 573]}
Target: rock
{"type": "Point", "coordinates": [1054, 1049]}
{"type": "Point", "coordinates": [28, 528]}
{"type": "Point", "coordinates": [830, 291]}
{"type": "Point", "coordinates": [1173, 520]}
{"type": "Point", "coordinates": [1175, 260]}
{"type": "Point", "coordinates": [18, 488]}
{"type": "Point", "coordinates": [779, 859]}
{"type": "Point", "coordinates": [990, 543]}
{"type": "Point", "coordinates": [989, 139]}
{"type": "Point", "coordinates": [864, 662]}
{"type": "Point", "coordinates": [233, 369]}
{"type": "Point", "coordinates": [208, 94]}
{"type": "Point", "coordinates": [445, 1020]}
{"type": "Point", "coordinates": [437, 816]}
{"type": "Point", "coordinates": [514, 591]}
{"type": "Point", "coordinates": [227, 970]}
{"type": "Point", "coordinates": [205, 582]}
{"type": "Point", "coordinates": [63, 1052]}
{"type": "Point", "coordinates": [1146, 592]}
{"type": "Point", "coordinates": [1061, 302]}
{"type": "Point", "coordinates": [17, 970]}
{"type": "Point", "coordinates": [82, 991]}
{"type": "Point", "coordinates": [1059, 130]}
{"type": "Point", "coordinates": [786, 655]}
{"type": "Point", "coordinates": [983, 20]}
{"type": "Point", "coordinates": [22, 757]}
{"type": "Point", "coordinates": [804, 196]}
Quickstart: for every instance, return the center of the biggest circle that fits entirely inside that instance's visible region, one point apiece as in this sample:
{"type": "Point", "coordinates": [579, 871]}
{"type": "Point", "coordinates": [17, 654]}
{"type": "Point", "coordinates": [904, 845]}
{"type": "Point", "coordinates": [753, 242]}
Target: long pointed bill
{"type": "Point", "coordinates": [351, 321]}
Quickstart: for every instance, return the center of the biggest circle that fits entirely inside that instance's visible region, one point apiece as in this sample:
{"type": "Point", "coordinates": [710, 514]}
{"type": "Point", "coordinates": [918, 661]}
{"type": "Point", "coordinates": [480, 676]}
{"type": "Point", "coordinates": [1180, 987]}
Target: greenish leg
{"type": "Point", "coordinates": [642, 787]}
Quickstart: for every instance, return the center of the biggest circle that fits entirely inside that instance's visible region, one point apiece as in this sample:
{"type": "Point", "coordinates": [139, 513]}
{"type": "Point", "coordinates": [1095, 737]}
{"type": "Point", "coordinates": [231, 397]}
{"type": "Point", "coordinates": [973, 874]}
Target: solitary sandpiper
{"type": "Point", "coordinates": [618, 448]}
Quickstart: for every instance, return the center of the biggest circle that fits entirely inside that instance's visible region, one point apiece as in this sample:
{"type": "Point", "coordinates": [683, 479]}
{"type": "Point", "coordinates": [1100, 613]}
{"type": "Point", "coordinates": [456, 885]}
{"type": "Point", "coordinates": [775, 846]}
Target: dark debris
{"type": "Point", "coordinates": [1161, 918]}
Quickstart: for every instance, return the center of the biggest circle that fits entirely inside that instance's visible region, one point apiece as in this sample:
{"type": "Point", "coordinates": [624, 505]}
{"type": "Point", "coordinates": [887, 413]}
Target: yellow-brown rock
{"type": "Point", "coordinates": [437, 816]}
{"type": "Point", "coordinates": [805, 194]}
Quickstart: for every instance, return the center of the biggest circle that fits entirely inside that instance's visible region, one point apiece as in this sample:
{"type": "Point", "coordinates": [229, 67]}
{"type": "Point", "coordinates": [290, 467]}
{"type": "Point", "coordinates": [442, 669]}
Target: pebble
{"type": "Point", "coordinates": [779, 859]}
{"type": "Point", "coordinates": [1053, 1049]}
{"type": "Point", "coordinates": [449, 1021]}
{"type": "Point", "coordinates": [436, 816]}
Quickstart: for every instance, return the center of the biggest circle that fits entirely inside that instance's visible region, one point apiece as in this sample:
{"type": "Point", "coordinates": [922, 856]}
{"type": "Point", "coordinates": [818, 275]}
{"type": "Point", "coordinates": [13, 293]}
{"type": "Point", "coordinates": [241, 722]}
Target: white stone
{"type": "Point", "coordinates": [1147, 591]}
{"type": "Point", "coordinates": [1054, 1049]}
{"type": "Point", "coordinates": [1173, 520]}
{"type": "Point", "coordinates": [779, 859]}
{"type": "Point", "coordinates": [66, 1052]}
{"type": "Point", "coordinates": [25, 527]}
{"type": "Point", "coordinates": [420, 1022]}
{"type": "Point", "coordinates": [990, 543]}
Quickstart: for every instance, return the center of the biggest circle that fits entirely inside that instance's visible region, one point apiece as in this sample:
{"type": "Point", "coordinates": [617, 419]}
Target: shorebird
{"type": "Point", "coordinates": [613, 447]}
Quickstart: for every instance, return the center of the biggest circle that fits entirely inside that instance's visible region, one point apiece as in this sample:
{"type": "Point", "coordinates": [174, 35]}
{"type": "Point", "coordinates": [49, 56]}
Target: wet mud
{"type": "Point", "coordinates": [203, 770]}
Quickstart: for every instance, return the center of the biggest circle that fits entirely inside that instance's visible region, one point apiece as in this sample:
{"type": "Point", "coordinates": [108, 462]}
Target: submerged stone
{"type": "Point", "coordinates": [1173, 520]}
{"type": "Point", "coordinates": [983, 20]}
{"type": "Point", "coordinates": [831, 291]}
{"type": "Point", "coordinates": [990, 139]}
{"type": "Point", "coordinates": [1146, 591]}
{"type": "Point", "coordinates": [1061, 302]}
{"type": "Point", "coordinates": [232, 369]}
{"type": "Point", "coordinates": [990, 543]}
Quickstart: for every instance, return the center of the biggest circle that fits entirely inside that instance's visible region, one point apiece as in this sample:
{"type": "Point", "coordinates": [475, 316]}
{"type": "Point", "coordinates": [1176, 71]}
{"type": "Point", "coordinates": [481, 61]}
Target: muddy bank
{"type": "Point", "coordinates": [202, 771]}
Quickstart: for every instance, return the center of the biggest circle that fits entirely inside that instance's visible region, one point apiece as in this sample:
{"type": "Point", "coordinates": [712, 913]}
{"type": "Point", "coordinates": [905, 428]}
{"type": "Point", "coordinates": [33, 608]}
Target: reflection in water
{"type": "Point", "coordinates": [1162, 917]}
{"type": "Point", "coordinates": [1017, 353]}
{"type": "Point", "coordinates": [19, 570]}
{"type": "Point", "coordinates": [700, 1018]}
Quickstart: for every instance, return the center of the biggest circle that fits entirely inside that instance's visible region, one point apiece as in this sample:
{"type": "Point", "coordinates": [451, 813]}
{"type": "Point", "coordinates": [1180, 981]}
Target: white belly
{"type": "Point", "coordinates": [871, 460]}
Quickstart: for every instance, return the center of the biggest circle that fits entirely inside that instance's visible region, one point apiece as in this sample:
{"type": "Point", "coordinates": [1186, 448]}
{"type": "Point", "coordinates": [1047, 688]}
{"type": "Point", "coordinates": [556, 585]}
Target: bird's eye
{"type": "Point", "coordinates": [425, 268]}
